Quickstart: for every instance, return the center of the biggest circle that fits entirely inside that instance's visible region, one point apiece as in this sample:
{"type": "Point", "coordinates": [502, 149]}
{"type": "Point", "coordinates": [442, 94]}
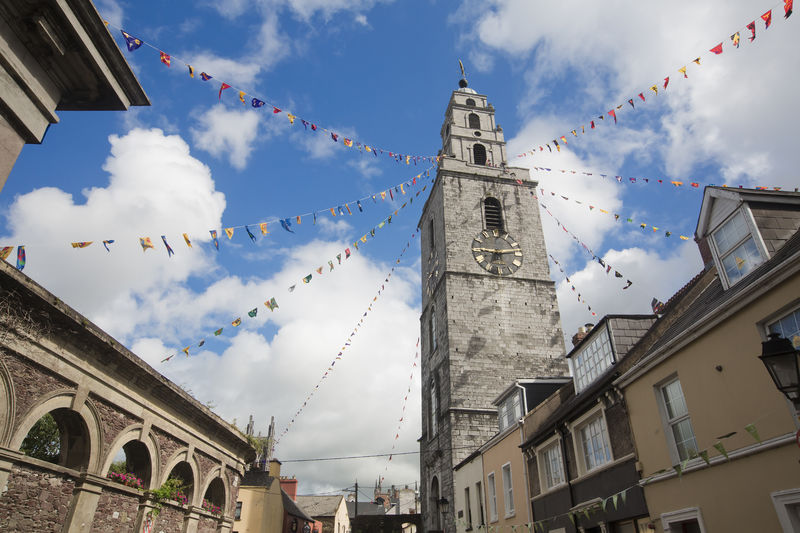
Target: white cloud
{"type": "Point", "coordinates": [155, 188]}
{"type": "Point", "coordinates": [223, 132]}
{"type": "Point", "coordinates": [652, 274]}
{"type": "Point", "coordinates": [361, 19]}
{"type": "Point", "coordinates": [240, 74]}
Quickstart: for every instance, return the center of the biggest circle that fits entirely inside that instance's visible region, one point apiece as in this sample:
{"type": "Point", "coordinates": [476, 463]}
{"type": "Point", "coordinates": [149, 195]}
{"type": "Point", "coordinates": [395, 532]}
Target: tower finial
{"type": "Point", "coordinates": [463, 81]}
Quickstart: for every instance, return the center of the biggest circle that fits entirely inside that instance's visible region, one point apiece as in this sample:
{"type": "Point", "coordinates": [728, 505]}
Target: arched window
{"type": "Point", "coordinates": [493, 213]}
{"type": "Point", "coordinates": [432, 329]}
{"type": "Point", "coordinates": [479, 154]}
{"type": "Point", "coordinates": [470, 102]}
{"type": "Point", "coordinates": [132, 458]}
{"type": "Point", "coordinates": [434, 503]}
{"type": "Point", "coordinates": [60, 437]}
{"type": "Point", "coordinates": [434, 400]}
{"type": "Point", "coordinates": [184, 486]}
{"type": "Point", "coordinates": [474, 121]}
{"type": "Point", "coordinates": [214, 498]}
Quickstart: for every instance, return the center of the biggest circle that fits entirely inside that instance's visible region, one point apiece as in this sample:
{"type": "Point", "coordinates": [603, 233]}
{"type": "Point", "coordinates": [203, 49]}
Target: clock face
{"type": "Point", "coordinates": [496, 252]}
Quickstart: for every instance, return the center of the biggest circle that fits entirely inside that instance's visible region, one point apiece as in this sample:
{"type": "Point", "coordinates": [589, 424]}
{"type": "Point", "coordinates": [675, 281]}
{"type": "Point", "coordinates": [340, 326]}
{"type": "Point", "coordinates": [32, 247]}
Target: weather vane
{"type": "Point", "coordinates": [463, 82]}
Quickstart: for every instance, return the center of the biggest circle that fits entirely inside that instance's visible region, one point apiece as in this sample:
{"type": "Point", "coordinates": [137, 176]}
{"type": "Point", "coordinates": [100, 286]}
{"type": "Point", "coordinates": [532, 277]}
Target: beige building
{"type": "Point", "coordinates": [330, 510]}
{"type": "Point", "coordinates": [56, 56]}
{"type": "Point", "coordinates": [259, 508]}
{"type": "Point", "coordinates": [469, 501]}
{"type": "Point", "coordinates": [715, 439]}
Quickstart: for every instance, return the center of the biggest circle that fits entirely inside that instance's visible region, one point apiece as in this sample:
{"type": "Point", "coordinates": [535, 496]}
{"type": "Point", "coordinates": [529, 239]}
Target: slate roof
{"type": "Point", "coordinates": [291, 507]}
{"type": "Point", "coordinates": [715, 297]}
{"type": "Point", "coordinates": [320, 505]}
{"type": "Point", "coordinates": [365, 508]}
{"type": "Point", "coordinates": [257, 478]}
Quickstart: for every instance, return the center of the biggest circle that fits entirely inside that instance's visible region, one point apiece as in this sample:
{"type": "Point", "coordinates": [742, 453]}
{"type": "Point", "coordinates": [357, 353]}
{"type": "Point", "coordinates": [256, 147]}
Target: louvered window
{"type": "Point", "coordinates": [493, 213]}
{"type": "Point", "coordinates": [479, 154]}
{"type": "Point", "coordinates": [474, 121]}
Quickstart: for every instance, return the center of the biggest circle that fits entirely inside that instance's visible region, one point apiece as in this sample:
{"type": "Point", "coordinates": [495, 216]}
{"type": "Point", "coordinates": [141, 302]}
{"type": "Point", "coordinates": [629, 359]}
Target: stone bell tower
{"type": "Point", "coordinates": [489, 309]}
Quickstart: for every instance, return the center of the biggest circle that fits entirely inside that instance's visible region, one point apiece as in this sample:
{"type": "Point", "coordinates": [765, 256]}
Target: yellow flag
{"type": "Point", "coordinates": [364, 238]}
{"type": "Point", "coordinates": [188, 242]}
{"type": "Point", "coordinates": [263, 227]}
{"type": "Point", "coordinates": [229, 232]}
{"type": "Point", "coordinates": [682, 70]}
{"type": "Point", "coordinates": [654, 88]}
{"type": "Point", "coordinates": [291, 117]}
{"type": "Point", "coordinates": [402, 190]}
{"type": "Point", "coordinates": [241, 97]}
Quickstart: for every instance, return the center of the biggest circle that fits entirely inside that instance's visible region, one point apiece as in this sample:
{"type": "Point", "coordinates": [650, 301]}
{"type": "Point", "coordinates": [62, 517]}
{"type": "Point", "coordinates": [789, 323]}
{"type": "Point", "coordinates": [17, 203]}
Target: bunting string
{"type": "Point", "coordinates": [659, 181]}
{"type": "Point", "coordinates": [403, 410]}
{"type": "Point", "coordinates": [617, 217]}
{"type": "Point", "coordinates": [594, 123]}
{"type": "Point", "coordinates": [134, 43]}
{"type": "Point", "coordinates": [346, 208]}
{"type": "Point", "coordinates": [602, 263]}
{"type": "Point", "coordinates": [580, 299]}
{"type": "Point", "coordinates": [346, 344]}
{"type": "Point", "coordinates": [272, 304]}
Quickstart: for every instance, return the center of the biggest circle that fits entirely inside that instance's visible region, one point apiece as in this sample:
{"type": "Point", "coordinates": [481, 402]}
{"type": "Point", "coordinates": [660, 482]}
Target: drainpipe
{"type": "Point", "coordinates": [521, 442]}
{"type": "Point", "coordinates": [561, 432]}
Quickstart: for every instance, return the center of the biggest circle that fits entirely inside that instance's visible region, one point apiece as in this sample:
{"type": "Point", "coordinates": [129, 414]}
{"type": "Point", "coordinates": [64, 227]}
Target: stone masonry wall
{"type": "Point", "coordinates": [113, 419]}
{"type": "Point", "coordinates": [116, 511]}
{"type": "Point", "coordinates": [207, 525]}
{"type": "Point", "coordinates": [36, 500]}
{"type": "Point", "coordinates": [167, 444]}
{"type": "Point", "coordinates": [31, 382]}
{"type": "Point", "coordinates": [170, 519]}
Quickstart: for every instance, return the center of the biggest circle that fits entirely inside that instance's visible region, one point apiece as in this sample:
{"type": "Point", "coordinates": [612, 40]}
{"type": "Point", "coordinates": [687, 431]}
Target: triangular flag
{"type": "Point", "coordinates": [165, 58]}
{"type": "Point", "coordinates": [255, 102]}
{"type": "Point", "coordinates": [263, 227]}
{"type": "Point", "coordinates": [717, 49]}
{"type": "Point", "coordinates": [735, 39]}
{"type": "Point", "coordinates": [236, 323]}
{"type": "Point", "coordinates": [750, 428]}
{"type": "Point", "coordinates": [721, 449]}
{"type": "Point", "coordinates": [241, 97]}
{"type": "Point", "coordinates": [82, 244]}
{"type": "Point", "coordinates": [253, 312]}
{"type": "Point", "coordinates": [132, 42]}
{"type": "Point", "coordinates": [146, 243]}
{"type": "Point", "coordinates": [704, 456]}
{"type": "Point", "coordinates": [767, 18]}
{"type": "Point", "coordinates": [191, 71]}
{"type": "Point", "coordinates": [682, 70]}
{"type": "Point", "coordinates": [170, 253]}
{"type": "Point", "coordinates": [250, 234]}
{"type": "Point", "coordinates": [204, 76]}
{"type": "Point", "coordinates": [186, 239]}
{"type": "Point", "coordinates": [787, 8]}
{"type": "Point", "coordinates": [654, 88]}
{"type": "Point", "coordinates": [229, 233]}
{"type": "Point", "coordinates": [213, 233]}
{"type": "Point", "coordinates": [21, 259]}
{"type": "Point", "coordinates": [752, 28]}
{"type": "Point", "coordinates": [222, 88]}
{"type": "Point", "coordinates": [106, 243]}
{"type": "Point", "coordinates": [666, 82]}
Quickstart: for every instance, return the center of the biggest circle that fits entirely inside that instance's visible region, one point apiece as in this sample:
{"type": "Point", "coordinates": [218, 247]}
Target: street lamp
{"type": "Point", "coordinates": [783, 364]}
{"type": "Point", "coordinates": [444, 505]}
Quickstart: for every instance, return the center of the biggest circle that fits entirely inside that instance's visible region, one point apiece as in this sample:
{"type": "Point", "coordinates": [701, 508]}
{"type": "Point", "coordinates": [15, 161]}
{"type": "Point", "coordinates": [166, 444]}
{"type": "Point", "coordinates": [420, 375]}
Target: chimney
{"type": "Point", "coordinates": [289, 485]}
{"type": "Point", "coordinates": [583, 331]}
{"type": "Point", "coordinates": [275, 468]}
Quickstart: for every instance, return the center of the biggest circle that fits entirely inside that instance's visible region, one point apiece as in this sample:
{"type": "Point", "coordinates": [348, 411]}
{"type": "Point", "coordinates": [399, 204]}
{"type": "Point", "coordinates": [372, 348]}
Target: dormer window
{"type": "Point", "coordinates": [737, 250]}
{"type": "Point", "coordinates": [509, 411]}
{"type": "Point", "coordinates": [593, 359]}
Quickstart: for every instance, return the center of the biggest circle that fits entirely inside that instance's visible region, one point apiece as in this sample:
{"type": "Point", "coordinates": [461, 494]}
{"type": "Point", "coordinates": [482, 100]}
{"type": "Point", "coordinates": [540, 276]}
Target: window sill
{"type": "Point", "coordinates": [511, 515]}
{"type": "Point", "coordinates": [554, 488]}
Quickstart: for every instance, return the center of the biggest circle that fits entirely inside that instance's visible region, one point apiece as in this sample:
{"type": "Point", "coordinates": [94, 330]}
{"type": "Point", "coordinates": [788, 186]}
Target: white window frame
{"type": "Point", "coordinates": [584, 375]}
{"type": "Point", "coordinates": [492, 489]}
{"type": "Point", "coordinates": [782, 499]}
{"type": "Point", "coordinates": [508, 490]}
{"type": "Point", "coordinates": [577, 442]}
{"type": "Point", "coordinates": [777, 317]}
{"type": "Point", "coordinates": [674, 518]}
{"type": "Point", "coordinates": [511, 406]}
{"type": "Point", "coordinates": [543, 464]}
{"type": "Point", "coordinates": [747, 215]}
{"type": "Point", "coordinates": [479, 499]}
{"type": "Point", "coordinates": [668, 423]}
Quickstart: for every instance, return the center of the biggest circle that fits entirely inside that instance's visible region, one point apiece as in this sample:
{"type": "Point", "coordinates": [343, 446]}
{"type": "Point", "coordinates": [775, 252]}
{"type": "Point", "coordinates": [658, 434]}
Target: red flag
{"type": "Point", "coordinates": [165, 58]}
{"type": "Point", "coordinates": [752, 28]}
{"type": "Point", "coordinates": [787, 8]}
{"type": "Point", "coordinates": [767, 18]}
{"type": "Point", "coordinates": [275, 110]}
{"type": "Point", "coordinates": [222, 88]}
{"type": "Point", "coordinates": [717, 49]}
{"type": "Point", "coordinates": [592, 124]}
{"type": "Point", "coordinates": [613, 113]}
{"type": "Point", "coordinates": [666, 82]}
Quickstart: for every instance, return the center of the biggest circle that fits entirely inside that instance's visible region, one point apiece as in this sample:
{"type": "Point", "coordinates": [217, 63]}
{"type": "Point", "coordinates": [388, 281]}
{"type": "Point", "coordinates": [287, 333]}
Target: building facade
{"type": "Point", "coordinates": [715, 439]}
{"type": "Point", "coordinates": [489, 310]}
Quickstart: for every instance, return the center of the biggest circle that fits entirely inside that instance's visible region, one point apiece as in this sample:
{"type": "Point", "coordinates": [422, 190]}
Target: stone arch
{"type": "Point", "coordinates": [130, 434]}
{"type": "Point", "coordinates": [221, 497]}
{"type": "Point", "coordinates": [474, 121]}
{"type": "Point", "coordinates": [182, 457]}
{"type": "Point", "coordinates": [61, 401]}
{"type": "Point", "coordinates": [7, 404]}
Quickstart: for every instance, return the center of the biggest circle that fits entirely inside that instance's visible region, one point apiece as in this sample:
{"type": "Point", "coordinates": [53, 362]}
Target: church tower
{"type": "Point", "coordinates": [489, 310]}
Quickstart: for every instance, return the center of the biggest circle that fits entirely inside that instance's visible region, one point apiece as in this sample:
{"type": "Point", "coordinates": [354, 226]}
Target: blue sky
{"type": "Point", "coordinates": [381, 73]}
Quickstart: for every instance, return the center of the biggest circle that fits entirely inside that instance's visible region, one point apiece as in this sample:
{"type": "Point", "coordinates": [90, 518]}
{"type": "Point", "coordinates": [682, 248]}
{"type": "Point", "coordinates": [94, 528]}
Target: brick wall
{"type": "Point", "coordinates": [36, 500]}
{"type": "Point", "coordinates": [116, 511]}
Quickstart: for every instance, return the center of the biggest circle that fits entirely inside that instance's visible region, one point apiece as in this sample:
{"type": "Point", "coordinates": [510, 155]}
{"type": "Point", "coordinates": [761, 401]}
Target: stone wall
{"type": "Point", "coordinates": [170, 519]}
{"type": "Point", "coordinates": [167, 444]}
{"type": "Point", "coordinates": [116, 511]}
{"type": "Point", "coordinates": [36, 500]}
{"type": "Point", "coordinates": [112, 419]}
{"type": "Point", "coordinates": [207, 525]}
